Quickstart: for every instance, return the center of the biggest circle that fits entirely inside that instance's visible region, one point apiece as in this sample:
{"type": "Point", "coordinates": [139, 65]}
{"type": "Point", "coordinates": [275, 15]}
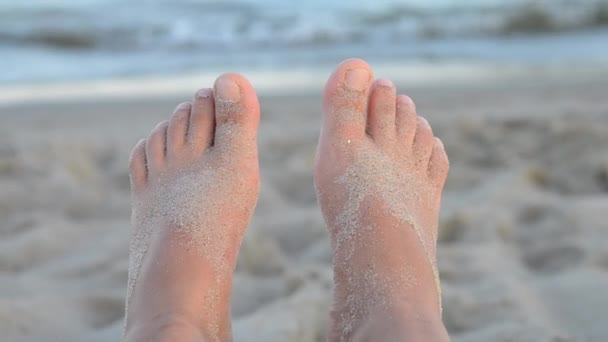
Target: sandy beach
{"type": "Point", "coordinates": [523, 250]}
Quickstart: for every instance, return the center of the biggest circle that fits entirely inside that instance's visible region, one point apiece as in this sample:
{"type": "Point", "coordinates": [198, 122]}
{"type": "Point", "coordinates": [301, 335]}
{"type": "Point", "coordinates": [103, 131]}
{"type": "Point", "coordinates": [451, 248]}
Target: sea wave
{"type": "Point", "coordinates": [237, 26]}
{"type": "Point", "coordinates": [63, 39]}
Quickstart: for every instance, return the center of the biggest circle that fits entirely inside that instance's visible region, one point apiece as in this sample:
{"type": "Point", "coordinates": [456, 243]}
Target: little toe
{"type": "Point", "coordinates": [202, 120]}
{"type": "Point", "coordinates": [423, 141]}
{"type": "Point", "coordinates": [178, 127]}
{"type": "Point", "coordinates": [345, 99]}
{"type": "Point", "coordinates": [405, 120]}
{"type": "Point", "coordinates": [381, 113]}
{"type": "Point", "coordinates": [439, 164]}
{"type": "Point", "coordinates": [137, 166]}
{"type": "Point", "coordinates": [156, 148]}
{"type": "Point", "coordinates": [237, 113]}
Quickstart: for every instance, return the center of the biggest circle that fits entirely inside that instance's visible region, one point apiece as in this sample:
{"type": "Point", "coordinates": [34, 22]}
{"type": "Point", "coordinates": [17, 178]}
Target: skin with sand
{"type": "Point", "coordinates": [195, 183]}
{"type": "Point", "coordinates": [379, 175]}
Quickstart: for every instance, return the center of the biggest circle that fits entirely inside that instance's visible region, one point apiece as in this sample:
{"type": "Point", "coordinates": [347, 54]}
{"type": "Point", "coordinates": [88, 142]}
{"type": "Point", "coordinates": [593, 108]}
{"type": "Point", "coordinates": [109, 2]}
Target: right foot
{"type": "Point", "coordinates": [194, 182]}
{"type": "Point", "coordinates": [379, 175]}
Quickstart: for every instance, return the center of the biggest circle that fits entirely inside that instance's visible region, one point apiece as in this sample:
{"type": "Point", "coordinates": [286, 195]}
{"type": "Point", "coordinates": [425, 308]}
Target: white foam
{"type": "Point", "coordinates": [269, 82]}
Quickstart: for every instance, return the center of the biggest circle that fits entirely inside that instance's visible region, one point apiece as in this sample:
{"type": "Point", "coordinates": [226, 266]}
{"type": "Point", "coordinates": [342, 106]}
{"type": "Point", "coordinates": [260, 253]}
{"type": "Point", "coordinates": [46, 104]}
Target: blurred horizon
{"type": "Point", "coordinates": [60, 40]}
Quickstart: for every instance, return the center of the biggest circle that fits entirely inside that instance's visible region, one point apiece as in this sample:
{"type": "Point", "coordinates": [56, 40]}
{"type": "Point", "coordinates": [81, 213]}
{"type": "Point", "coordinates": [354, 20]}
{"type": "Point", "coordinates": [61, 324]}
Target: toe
{"type": "Point", "coordinates": [202, 120]}
{"type": "Point", "coordinates": [405, 120]}
{"type": "Point", "coordinates": [345, 99]}
{"type": "Point", "coordinates": [237, 112]}
{"type": "Point", "coordinates": [156, 148]}
{"type": "Point", "coordinates": [381, 113]}
{"type": "Point", "coordinates": [423, 141]}
{"type": "Point", "coordinates": [178, 126]}
{"type": "Point", "coordinates": [439, 164]}
{"type": "Point", "coordinates": [137, 166]}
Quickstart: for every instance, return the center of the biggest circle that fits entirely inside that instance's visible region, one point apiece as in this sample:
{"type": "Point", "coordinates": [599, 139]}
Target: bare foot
{"type": "Point", "coordinates": [195, 183]}
{"type": "Point", "coordinates": [379, 176]}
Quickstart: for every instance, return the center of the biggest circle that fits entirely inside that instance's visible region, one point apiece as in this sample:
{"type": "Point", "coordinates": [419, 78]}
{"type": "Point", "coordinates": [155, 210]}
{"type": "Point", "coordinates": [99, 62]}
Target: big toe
{"type": "Point", "coordinates": [345, 99]}
{"type": "Point", "coordinates": [237, 114]}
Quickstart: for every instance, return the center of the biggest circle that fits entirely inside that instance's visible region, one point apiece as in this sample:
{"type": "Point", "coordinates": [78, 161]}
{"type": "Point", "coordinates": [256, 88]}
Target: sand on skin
{"type": "Point", "coordinates": [522, 232]}
{"type": "Point", "coordinates": [376, 177]}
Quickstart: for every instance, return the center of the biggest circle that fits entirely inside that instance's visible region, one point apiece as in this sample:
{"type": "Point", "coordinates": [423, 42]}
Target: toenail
{"type": "Point", "coordinates": [385, 83]}
{"type": "Point", "coordinates": [203, 93]}
{"type": "Point", "coordinates": [405, 100]}
{"type": "Point", "coordinates": [183, 106]}
{"type": "Point", "coordinates": [161, 124]}
{"type": "Point", "coordinates": [227, 90]}
{"type": "Point", "coordinates": [356, 79]}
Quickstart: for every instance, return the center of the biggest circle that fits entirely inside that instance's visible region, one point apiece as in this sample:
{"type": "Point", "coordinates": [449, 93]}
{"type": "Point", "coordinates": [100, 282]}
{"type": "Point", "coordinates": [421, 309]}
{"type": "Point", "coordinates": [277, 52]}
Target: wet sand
{"type": "Point", "coordinates": [523, 232]}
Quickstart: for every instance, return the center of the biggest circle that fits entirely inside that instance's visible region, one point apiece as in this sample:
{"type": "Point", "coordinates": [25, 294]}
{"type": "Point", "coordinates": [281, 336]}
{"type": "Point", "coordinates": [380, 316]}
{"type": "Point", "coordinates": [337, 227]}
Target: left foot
{"type": "Point", "coordinates": [195, 183]}
{"type": "Point", "coordinates": [379, 175]}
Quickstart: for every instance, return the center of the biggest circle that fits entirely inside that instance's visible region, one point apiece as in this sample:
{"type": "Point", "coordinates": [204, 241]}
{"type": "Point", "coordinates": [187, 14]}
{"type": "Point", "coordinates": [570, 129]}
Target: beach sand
{"type": "Point", "coordinates": [523, 250]}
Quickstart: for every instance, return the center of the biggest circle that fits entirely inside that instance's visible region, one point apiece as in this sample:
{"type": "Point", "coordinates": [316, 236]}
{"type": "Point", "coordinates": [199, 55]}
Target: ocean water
{"type": "Point", "coordinates": [51, 40]}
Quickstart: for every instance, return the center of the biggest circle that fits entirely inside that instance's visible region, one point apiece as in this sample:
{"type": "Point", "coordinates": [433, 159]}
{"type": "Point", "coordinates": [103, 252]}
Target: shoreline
{"type": "Point", "coordinates": [300, 80]}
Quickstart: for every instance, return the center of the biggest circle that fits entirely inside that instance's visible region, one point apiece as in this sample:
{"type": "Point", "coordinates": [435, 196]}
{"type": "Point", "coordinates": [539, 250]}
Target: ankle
{"type": "Point", "coordinates": [405, 321]}
{"type": "Point", "coordinates": [166, 327]}
{"type": "Point", "coordinates": [406, 328]}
